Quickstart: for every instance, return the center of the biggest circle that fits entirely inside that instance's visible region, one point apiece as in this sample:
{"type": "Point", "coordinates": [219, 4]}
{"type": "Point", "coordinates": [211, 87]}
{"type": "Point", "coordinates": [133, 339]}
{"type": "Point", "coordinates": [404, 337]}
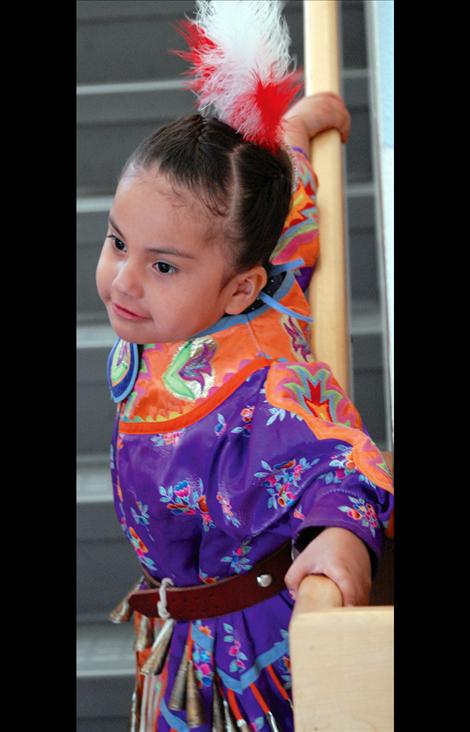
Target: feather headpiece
{"type": "Point", "coordinates": [239, 56]}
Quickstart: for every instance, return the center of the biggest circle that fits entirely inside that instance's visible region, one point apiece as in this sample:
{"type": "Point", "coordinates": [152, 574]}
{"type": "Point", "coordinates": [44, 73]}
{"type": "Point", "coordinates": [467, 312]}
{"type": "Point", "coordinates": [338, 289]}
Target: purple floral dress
{"type": "Point", "coordinates": [224, 447]}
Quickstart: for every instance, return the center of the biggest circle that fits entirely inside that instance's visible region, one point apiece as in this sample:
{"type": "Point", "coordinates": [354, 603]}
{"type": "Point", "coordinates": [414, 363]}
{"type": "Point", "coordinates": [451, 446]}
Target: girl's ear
{"type": "Point", "coordinates": [243, 289]}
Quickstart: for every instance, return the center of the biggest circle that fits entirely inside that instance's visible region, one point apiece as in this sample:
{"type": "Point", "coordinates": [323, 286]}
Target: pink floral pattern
{"type": "Point", "coordinates": [343, 465]}
{"type": "Point", "coordinates": [187, 497]}
{"type": "Point", "coordinates": [363, 512]}
{"type": "Point", "coordinates": [167, 438]}
{"type": "Point", "coordinates": [238, 560]}
{"type": "Point", "coordinates": [247, 416]}
{"type": "Point", "coordinates": [283, 481]}
{"type": "Point", "coordinates": [227, 509]}
{"type": "Point", "coordinates": [203, 658]}
{"type": "Point", "coordinates": [237, 664]}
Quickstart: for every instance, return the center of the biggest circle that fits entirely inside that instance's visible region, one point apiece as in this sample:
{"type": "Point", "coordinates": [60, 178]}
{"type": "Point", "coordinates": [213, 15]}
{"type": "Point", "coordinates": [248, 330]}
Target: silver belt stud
{"type": "Point", "coordinates": [264, 580]}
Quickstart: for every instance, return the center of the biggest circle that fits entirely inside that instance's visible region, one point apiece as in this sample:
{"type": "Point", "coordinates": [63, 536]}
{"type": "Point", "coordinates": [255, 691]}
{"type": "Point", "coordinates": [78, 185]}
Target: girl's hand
{"type": "Point", "coordinates": [341, 556]}
{"type": "Point", "coordinates": [314, 114]}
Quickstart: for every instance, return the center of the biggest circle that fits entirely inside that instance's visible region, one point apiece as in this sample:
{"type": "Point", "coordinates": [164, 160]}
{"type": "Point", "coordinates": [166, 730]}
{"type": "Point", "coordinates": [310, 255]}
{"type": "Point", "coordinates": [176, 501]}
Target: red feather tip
{"type": "Point", "coordinates": [199, 43]}
{"type": "Point", "coordinates": [272, 99]}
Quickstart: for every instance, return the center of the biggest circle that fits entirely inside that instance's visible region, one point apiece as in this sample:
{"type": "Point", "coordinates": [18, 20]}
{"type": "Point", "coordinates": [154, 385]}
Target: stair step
{"type": "Point", "coordinates": [105, 649]}
{"type": "Point", "coordinates": [106, 570]}
{"type": "Point", "coordinates": [105, 671]}
{"type": "Point", "coordinates": [95, 335]}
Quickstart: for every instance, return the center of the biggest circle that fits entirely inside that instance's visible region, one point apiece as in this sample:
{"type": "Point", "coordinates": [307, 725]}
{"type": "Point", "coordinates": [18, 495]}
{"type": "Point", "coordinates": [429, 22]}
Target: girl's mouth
{"type": "Point", "coordinates": [128, 314]}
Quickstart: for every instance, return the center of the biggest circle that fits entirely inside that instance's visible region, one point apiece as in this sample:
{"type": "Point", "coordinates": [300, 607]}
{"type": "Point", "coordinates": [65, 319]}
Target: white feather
{"type": "Point", "coordinates": [252, 37]}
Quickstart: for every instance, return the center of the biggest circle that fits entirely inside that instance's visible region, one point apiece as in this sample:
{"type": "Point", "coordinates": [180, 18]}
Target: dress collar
{"type": "Point", "coordinates": [162, 382]}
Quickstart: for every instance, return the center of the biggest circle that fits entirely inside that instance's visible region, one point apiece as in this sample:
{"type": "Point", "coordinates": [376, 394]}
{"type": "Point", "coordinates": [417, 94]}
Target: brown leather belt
{"type": "Point", "coordinates": [237, 592]}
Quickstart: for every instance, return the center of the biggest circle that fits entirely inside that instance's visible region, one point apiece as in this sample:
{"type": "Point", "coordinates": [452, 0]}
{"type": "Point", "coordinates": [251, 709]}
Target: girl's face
{"type": "Point", "coordinates": [158, 275]}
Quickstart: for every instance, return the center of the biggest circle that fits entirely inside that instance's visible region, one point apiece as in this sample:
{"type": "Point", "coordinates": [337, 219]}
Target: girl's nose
{"type": "Point", "coordinates": [128, 280]}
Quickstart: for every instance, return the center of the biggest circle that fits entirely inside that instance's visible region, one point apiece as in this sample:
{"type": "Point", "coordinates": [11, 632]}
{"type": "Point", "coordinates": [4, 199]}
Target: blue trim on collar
{"type": "Point", "coordinates": [282, 308]}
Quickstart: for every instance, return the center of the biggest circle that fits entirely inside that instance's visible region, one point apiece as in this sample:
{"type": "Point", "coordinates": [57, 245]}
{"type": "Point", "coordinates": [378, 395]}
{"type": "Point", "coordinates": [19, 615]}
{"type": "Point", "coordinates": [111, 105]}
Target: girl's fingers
{"type": "Point", "coordinates": [300, 568]}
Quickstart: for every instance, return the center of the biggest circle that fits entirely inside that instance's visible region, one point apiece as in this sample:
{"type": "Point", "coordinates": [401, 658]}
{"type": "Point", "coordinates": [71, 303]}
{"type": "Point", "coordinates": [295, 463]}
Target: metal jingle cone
{"type": "Point", "coordinates": [178, 694]}
{"type": "Point", "coordinates": [217, 709]}
{"type": "Point", "coordinates": [272, 722]}
{"type": "Point", "coordinates": [194, 706]}
{"type": "Point", "coordinates": [242, 725]}
{"type": "Point", "coordinates": [156, 660]}
{"type": "Point", "coordinates": [144, 638]}
{"type": "Point", "coordinates": [123, 612]}
{"type": "Point", "coordinates": [229, 719]}
{"type": "Point", "coordinates": [135, 713]}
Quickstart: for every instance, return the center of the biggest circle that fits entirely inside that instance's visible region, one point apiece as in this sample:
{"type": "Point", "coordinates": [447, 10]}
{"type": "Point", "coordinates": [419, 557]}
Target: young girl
{"type": "Point", "coordinates": [233, 448]}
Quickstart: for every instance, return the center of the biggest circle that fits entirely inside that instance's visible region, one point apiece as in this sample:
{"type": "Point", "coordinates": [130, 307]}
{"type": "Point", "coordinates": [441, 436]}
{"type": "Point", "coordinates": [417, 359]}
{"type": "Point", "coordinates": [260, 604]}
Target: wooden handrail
{"type": "Point", "coordinates": [328, 293]}
{"type": "Point", "coordinates": [316, 592]}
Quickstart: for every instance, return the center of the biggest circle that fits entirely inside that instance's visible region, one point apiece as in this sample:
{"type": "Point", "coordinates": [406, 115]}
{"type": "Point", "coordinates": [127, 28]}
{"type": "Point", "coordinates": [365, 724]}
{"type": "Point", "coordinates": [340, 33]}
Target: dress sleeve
{"type": "Point", "coordinates": [300, 235]}
{"type": "Point", "coordinates": [343, 497]}
{"type": "Point", "coordinates": [346, 481]}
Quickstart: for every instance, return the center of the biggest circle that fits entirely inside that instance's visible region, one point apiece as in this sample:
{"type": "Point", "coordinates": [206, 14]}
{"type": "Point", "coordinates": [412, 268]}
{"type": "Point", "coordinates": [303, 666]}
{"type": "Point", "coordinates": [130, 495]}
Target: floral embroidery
{"type": "Point", "coordinates": [184, 497]}
{"type": "Point", "coordinates": [221, 426]}
{"type": "Point", "coordinates": [343, 463]}
{"type": "Point", "coordinates": [247, 416]}
{"type": "Point", "coordinates": [285, 671]}
{"type": "Point", "coordinates": [207, 522]}
{"type": "Point", "coordinates": [363, 512]}
{"type": "Point", "coordinates": [168, 438]}
{"type": "Point", "coordinates": [140, 548]}
{"type": "Point", "coordinates": [137, 542]}
{"type": "Point", "coordinates": [143, 517]}
{"type": "Point", "coordinates": [298, 513]}
{"type": "Point", "coordinates": [257, 724]}
{"type": "Point", "coordinates": [277, 413]}
{"type": "Point", "coordinates": [234, 650]}
{"type": "Point", "coordinates": [202, 660]}
{"type": "Point", "coordinates": [283, 664]}
{"type": "Point", "coordinates": [227, 509]}
{"type": "Point", "coordinates": [238, 562]}
{"type": "Point", "coordinates": [187, 497]}
{"type": "Point", "coordinates": [204, 577]}
{"type": "Point", "coordinates": [282, 481]}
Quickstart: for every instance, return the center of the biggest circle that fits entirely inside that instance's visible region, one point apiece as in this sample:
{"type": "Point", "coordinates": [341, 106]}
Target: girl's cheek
{"type": "Point", "coordinates": [103, 277]}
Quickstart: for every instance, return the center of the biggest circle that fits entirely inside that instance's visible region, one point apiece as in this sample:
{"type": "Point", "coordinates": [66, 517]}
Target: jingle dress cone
{"type": "Point", "coordinates": [225, 446]}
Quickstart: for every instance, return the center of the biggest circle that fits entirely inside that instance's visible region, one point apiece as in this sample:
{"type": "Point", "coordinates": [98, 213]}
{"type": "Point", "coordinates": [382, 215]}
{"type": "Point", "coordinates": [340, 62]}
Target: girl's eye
{"type": "Point", "coordinates": [165, 268]}
{"type": "Point", "coordinates": [118, 243]}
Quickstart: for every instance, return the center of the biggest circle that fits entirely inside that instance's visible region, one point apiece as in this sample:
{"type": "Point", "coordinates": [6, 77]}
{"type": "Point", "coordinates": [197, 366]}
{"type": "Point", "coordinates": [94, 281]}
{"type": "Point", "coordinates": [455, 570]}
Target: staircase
{"type": "Point", "coordinates": [128, 85]}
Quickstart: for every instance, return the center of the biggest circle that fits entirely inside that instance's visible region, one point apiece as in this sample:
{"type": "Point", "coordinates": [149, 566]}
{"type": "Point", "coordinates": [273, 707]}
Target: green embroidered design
{"type": "Point", "coordinates": [190, 375]}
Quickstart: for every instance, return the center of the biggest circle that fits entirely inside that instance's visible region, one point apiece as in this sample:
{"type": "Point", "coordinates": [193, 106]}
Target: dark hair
{"type": "Point", "coordinates": [245, 185]}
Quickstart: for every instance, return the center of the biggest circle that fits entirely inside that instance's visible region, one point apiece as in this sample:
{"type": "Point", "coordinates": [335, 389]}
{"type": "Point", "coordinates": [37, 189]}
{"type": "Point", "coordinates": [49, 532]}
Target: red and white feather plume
{"type": "Point", "coordinates": [239, 65]}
